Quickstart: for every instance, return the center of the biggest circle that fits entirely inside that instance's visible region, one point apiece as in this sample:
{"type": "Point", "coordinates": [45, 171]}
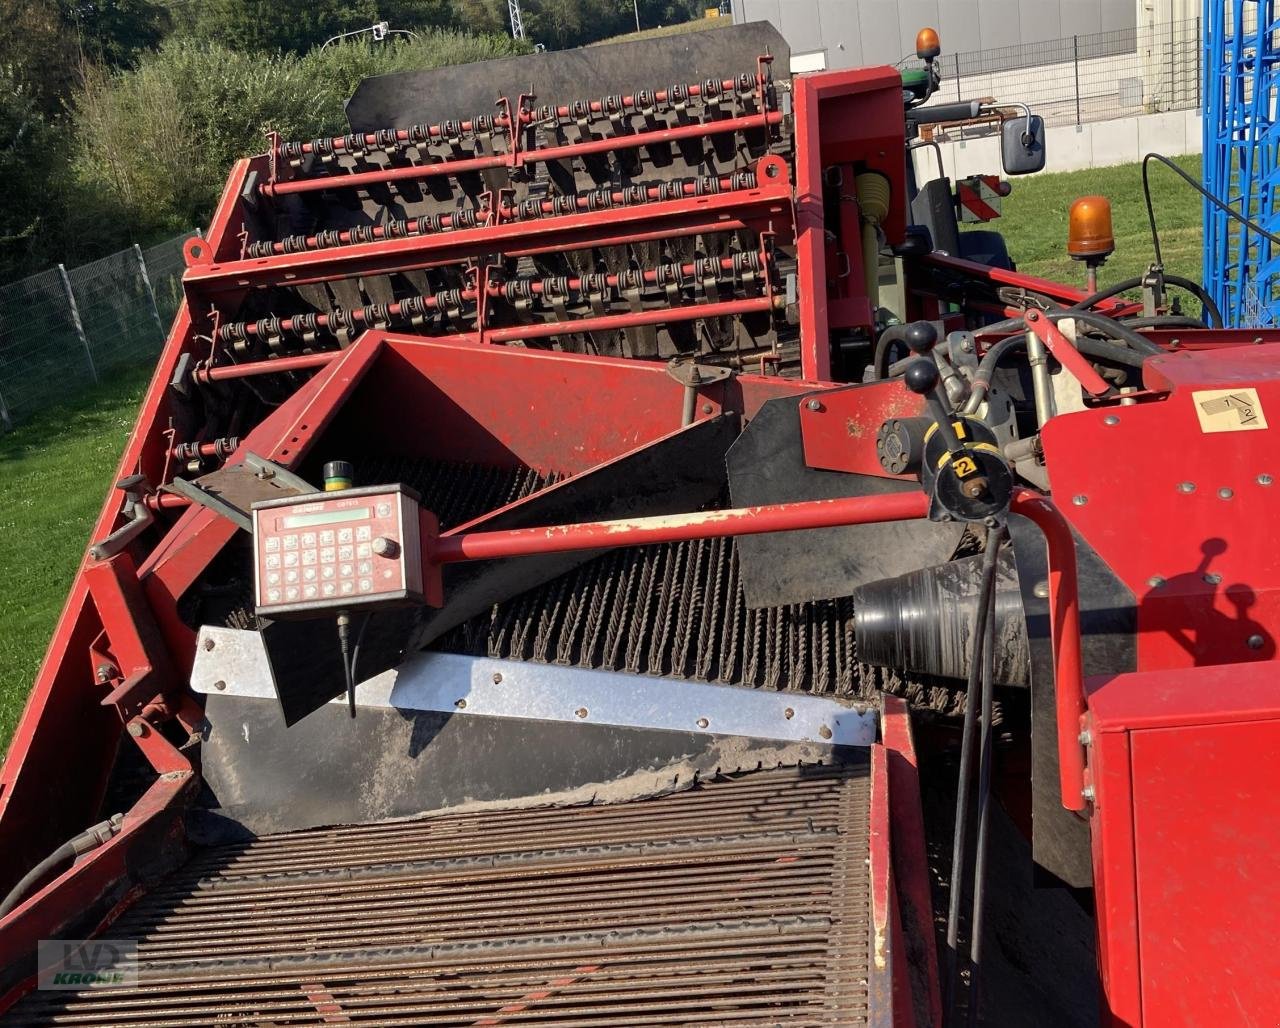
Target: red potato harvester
{"type": "Point", "coordinates": [622, 556]}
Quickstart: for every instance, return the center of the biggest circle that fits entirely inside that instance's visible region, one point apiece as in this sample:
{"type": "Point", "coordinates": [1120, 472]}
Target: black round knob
{"type": "Point", "coordinates": [921, 337]}
{"type": "Point", "coordinates": [921, 375]}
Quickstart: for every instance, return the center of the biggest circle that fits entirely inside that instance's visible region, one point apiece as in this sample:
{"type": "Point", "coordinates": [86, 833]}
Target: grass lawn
{"type": "Point", "coordinates": [56, 468]}
{"type": "Point", "coordinates": [1035, 223]}
{"type": "Point", "coordinates": [54, 473]}
{"type": "Point", "coordinates": [696, 25]}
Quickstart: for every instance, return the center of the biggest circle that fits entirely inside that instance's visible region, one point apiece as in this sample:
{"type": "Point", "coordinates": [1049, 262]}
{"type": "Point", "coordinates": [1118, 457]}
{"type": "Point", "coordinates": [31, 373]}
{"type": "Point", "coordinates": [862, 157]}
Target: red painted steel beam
{"type": "Point", "coordinates": [1064, 627]}
{"type": "Point", "coordinates": [910, 858]}
{"type": "Point", "coordinates": [1004, 277]}
{"type": "Point", "coordinates": [594, 535]}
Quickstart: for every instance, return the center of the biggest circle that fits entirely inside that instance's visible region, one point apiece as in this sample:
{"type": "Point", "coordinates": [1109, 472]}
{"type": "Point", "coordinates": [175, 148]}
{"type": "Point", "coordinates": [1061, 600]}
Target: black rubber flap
{"type": "Point", "coordinates": [766, 465]}
{"type": "Point", "coordinates": [461, 91]}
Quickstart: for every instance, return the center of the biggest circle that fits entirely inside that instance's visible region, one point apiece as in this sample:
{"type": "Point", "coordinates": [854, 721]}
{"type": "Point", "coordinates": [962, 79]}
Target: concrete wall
{"type": "Point", "coordinates": [1069, 147]}
{"type": "Point", "coordinates": [868, 32]}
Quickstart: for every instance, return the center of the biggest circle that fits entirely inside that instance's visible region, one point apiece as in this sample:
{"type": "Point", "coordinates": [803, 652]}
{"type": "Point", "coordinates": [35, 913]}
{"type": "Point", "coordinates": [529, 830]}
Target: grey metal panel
{"type": "Point", "coordinates": [1117, 15]}
{"type": "Point", "coordinates": [880, 41]}
{"type": "Point", "coordinates": [1000, 23]}
{"type": "Point", "coordinates": [842, 35]}
{"type": "Point", "coordinates": [759, 10]}
{"type": "Point", "coordinates": [1040, 19]}
{"type": "Point", "coordinates": [913, 15]}
{"type": "Point", "coordinates": [1082, 17]}
{"type": "Point", "coordinates": [960, 28]}
{"type": "Point", "coordinates": [802, 26]}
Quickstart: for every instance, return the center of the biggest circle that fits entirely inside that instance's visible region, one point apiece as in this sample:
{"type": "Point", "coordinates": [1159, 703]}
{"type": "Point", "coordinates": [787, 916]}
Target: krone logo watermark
{"type": "Point", "coordinates": [86, 963]}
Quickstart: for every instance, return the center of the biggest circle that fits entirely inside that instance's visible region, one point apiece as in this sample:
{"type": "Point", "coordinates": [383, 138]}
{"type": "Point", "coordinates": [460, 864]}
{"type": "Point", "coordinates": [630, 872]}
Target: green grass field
{"type": "Point", "coordinates": [1035, 222]}
{"type": "Point", "coordinates": [55, 469]}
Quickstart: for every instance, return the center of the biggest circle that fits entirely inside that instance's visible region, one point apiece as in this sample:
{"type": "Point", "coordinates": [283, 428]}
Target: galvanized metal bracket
{"type": "Point", "coordinates": [232, 662]}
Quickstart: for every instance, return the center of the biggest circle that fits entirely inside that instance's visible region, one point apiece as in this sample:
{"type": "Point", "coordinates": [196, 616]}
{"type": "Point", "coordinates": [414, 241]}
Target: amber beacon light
{"type": "Point", "coordinates": [928, 45]}
{"type": "Point", "coordinates": [1089, 234]}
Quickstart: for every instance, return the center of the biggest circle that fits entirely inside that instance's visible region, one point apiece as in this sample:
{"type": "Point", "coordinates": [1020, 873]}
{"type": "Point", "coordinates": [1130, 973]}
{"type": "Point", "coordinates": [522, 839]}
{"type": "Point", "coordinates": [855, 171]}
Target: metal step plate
{"type": "Point", "coordinates": [741, 902]}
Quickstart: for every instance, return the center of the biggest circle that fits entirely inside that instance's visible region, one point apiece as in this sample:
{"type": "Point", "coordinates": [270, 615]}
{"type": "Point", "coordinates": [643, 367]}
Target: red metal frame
{"type": "Point", "coordinates": [1184, 840]}
{"type": "Point", "coordinates": [1202, 568]}
{"type": "Point", "coordinates": [841, 117]}
{"type": "Point", "coordinates": [910, 869]}
{"type": "Point", "coordinates": [121, 641]}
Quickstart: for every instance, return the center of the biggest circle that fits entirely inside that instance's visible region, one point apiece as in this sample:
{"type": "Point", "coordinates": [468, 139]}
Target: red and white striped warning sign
{"type": "Point", "coordinates": [980, 196]}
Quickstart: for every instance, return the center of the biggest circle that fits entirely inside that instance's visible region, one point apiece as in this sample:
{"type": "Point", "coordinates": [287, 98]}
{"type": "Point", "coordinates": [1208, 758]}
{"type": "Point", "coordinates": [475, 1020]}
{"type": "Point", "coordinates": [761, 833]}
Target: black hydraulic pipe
{"type": "Point", "coordinates": [87, 840]}
{"type": "Point", "coordinates": [1164, 321]}
{"type": "Point", "coordinates": [966, 762]}
{"type": "Point", "coordinates": [880, 359]}
{"type": "Point", "coordinates": [1108, 327]}
{"type": "Point", "coordinates": [1190, 285]}
{"type": "Point", "coordinates": [984, 811]}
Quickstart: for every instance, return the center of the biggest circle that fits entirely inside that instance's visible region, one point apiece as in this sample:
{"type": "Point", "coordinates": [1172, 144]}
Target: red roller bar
{"type": "Point", "coordinates": [591, 201]}
{"type": "Point", "coordinates": [1064, 599]}
{"type": "Point", "coordinates": [371, 233]}
{"type": "Point", "coordinates": [769, 201]}
{"type": "Point", "coordinates": [687, 274]}
{"type": "Point", "coordinates": [275, 366]}
{"type": "Point", "coordinates": [717, 126]}
{"type": "Point", "coordinates": [594, 200]}
{"type": "Point", "coordinates": [640, 103]}
{"type": "Point", "coordinates": [557, 153]}
{"type": "Point", "coordinates": [356, 317]}
{"type": "Point", "coordinates": [658, 316]}
{"type": "Point", "coordinates": [412, 136]}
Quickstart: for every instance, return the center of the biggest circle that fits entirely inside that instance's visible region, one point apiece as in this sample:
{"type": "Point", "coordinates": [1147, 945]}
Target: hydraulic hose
{"type": "Point", "coordinates": [90, 839]}
{"type": "Point", "coordinates": [986, 595]}
{"type": "Point", "coordinates": [1164, 321]}
{"type": "Point", "coordinates": [1108, 327]}
{"type": "Point", "coordinates": [984, 806]}
{"type": "Point", "coordinates": [1191, 286]}
{"type": "Point", "coordinates": [880, 360]}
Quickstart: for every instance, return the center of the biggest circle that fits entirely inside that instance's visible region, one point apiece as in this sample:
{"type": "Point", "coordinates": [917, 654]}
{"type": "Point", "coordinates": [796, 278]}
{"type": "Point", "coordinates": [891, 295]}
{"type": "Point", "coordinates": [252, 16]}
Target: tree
{"type": "Point", "coordinates": [37, 54]}
{"type": "Point", "coordinates": [27, 146]}
{"type": "Point", "coordinates": [269, 26]}
{"type": "Point", "coordinates": [114, 32]}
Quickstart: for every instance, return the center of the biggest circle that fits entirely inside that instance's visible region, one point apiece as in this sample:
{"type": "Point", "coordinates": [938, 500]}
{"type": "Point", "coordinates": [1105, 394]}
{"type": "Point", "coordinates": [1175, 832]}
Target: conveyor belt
{"type": "Point", "coordinates": [742, 902]}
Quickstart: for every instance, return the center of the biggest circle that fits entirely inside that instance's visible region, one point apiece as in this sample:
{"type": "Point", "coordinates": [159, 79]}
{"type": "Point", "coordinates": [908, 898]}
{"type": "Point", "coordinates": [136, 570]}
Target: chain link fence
{"type": "Point", "coordinates": [1145, 70]}
{"type": "Point", "coordinates": [64, 329]}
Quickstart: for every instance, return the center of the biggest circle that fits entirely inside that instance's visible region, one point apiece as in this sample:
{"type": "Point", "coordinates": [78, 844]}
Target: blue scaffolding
{"type": "Point", "coordinates": [1241, 139]}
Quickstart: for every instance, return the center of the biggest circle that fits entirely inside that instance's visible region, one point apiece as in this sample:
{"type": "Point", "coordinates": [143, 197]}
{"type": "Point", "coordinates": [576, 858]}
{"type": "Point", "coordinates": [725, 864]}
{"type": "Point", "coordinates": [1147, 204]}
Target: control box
{"type": "Point", "coordinates": [345, 550]}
